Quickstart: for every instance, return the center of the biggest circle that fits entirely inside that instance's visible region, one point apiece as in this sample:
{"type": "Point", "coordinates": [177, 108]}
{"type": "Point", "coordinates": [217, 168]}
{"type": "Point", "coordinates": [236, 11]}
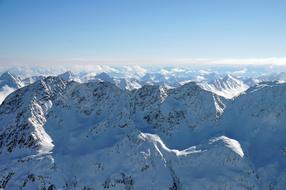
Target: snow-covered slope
{"type": "Point", "coordinates": [32, 79]}
{"type": "Point", "coordinates": [257, 119]}
{"type": "Point", "coordinates": [123, 83]}
{"type": "Point", "coordinates": [61, 134]}
{"type": "Point", "coordinates": [228, 87]}
{"type": "Point", "coordinates": [69, 76]}
{"type": "Point", "coordinates": [181, 115]}
{"type": "Point", "coordinates": [10, 80]}
{"type": "Point", "coordinates": [9, 83]}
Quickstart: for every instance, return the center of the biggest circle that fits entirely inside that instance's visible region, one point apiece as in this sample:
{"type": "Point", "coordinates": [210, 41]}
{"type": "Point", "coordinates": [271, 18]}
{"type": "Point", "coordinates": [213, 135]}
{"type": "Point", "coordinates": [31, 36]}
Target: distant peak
{"type": "Point", "coordinates": [104, 77]}
{"type": "Point", "coordinates": [10, 80]}
{"type": "Point", "coordinates": [192, 85]}
{"type": "Point", "coordinates": [5, 75]}
{"type": "Point", "coordinates": [68, 75]}
{"type": "Point", "coordinates": [229, 77]}
{"type": "Point", "coordinates": [103, 74]}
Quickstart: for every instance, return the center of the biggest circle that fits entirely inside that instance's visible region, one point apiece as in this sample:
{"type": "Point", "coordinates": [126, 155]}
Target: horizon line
{"type": "Point", "coordinates": [156, 62]}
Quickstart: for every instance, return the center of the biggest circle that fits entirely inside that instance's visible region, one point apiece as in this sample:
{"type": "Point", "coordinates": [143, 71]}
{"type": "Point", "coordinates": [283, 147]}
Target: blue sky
{"type": "Point", "coordinates": [142, 29]}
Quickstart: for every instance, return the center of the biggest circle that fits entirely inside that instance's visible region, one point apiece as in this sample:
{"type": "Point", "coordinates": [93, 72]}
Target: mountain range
{"type": "Point", "coordinates": [228, 85]}
{"type": "Point", "coordinates": [76, 132]}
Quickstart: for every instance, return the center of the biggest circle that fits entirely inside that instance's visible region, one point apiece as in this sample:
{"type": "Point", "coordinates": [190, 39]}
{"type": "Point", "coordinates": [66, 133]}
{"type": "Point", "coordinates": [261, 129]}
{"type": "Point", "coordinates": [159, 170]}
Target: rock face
{"type": "Point", "coordinates": [60, 134]}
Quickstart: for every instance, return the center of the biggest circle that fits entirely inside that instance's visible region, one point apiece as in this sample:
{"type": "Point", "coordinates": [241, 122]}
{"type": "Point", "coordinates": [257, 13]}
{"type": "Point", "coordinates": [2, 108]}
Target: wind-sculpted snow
{"type": "Point", "coordinates": [60, 134]}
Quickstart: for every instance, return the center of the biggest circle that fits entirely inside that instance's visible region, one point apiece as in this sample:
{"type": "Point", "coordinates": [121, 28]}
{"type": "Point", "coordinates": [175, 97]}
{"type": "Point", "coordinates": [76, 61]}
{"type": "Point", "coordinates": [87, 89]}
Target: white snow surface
{"type": "Point", "coordinates": [230, 143]}
{"type": "Point", "coordinates": [5, 91]}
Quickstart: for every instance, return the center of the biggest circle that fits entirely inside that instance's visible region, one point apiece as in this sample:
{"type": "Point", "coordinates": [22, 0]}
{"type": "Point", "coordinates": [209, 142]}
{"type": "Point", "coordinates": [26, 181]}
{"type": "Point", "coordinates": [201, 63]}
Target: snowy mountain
{"type": "Point", "coordinates": [228, 87]}
{"type": "Point", "coordinates": [251, 81]}
{"type": "Point", "coordinates": [159, 79]}
{"type": "Point", "coordinates": [180, 116]}
{"type": "Point", "coordinates": [10, 80]}
{"type": "Point", "coordinates": [133, 77]}
{"type": "Point", "coordinates": [61, 134]}
{"type": "Point", "coordinates": [278, 76]}
{"type": "Point", "coordinates": [32, 79]}
{"type": "Point", "coordinates": [101, 78]}
{"type": "Point", "coordinates": [128, 83]}
{"type": "Point", "coordinates": [123, 83]}
{"type": "Point", "coordinates": [69, 76]}
{"type": "Point", "coordinates": [257, 120]}
{"type": "Point", "coordinates": [9, 83]}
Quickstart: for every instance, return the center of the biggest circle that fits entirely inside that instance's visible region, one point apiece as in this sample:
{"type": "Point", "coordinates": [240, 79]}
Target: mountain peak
{"type": "Point", "coordinates": [229, 86]}
{"type": "Point", "coordinates": [229, 77]}
{"type": "Point", "coordinates": [7, 76]}
{"type": "Point", "coordinates": [103, 77]}
{"type": "Point", "coordinates": [68, 75]}
{"type": "Point", "coordinates": [10, 80]}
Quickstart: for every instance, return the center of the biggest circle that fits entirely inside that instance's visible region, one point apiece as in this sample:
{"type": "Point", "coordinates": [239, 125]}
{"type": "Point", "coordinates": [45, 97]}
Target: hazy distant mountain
{"type": "Point", "coordinates": [68, 76]}
{"type": "Point", "coordinates": [228, 87]}
{"type": "Point", "coordinates": [9, 83]}
{"type": "Point", "coordinates": [8, 79]}
{"type": "Point", "coordinates": [134, 77]}
{"type": "Point", "coordinates": [31, 80]}
{"type": "Point", "coordinates": [123, 83]}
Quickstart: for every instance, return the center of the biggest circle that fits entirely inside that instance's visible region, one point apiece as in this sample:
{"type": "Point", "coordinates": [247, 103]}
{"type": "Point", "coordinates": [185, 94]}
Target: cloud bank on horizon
{"type": "Point", "coordinates": [84, 63]}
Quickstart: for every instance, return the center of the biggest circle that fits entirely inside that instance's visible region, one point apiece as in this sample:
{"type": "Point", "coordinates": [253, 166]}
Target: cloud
{"type": "Point", "coordinates": [184, 61]}
{"type": "Point", "coordinates": [225, 61]}
{"type": "Point", "coordinates": [90, 63]}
